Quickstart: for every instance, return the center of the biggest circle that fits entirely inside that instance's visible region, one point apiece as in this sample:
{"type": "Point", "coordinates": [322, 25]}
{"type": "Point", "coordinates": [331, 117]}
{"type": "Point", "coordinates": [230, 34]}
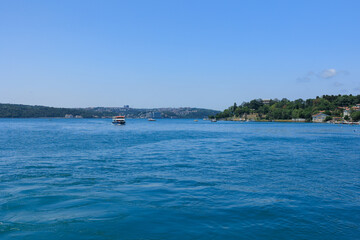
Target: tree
{"type": "Point", "coordinates": [355, 116]}
{"type": "Point", "coordinates": [237, 112]}
{"type": "Point", "coordinates": [328, 118]}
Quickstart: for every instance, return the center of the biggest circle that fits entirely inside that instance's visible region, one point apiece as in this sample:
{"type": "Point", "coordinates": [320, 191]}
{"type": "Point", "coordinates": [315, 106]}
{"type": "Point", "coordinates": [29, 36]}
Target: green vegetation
{"type": "Point", "coordinates": [328, 118]}
{"type": "Point", "coordinates": [27, 111]}
{"type": "Point", "coordinates": [285, 109]}
{"type": "Point", "coordinates": [355, 116]}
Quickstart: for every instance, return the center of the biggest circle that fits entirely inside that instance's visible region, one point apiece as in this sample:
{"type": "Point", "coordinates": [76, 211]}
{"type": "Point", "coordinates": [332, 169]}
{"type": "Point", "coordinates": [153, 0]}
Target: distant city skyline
{"type": "Point", "coordinates": [150, 54]}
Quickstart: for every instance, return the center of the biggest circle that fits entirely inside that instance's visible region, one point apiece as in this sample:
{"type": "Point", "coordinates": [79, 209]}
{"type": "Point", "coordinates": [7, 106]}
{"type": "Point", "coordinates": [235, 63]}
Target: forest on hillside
{"type": "Point", "coordinates": [285, 109]}
{"type": "Point", "coordinates": [28, 111]}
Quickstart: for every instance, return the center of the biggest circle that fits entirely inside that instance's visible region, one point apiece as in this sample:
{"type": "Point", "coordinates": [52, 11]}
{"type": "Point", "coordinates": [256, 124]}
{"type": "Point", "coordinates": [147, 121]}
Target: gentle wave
{"type": "Point", "coordinates": [178, 179]}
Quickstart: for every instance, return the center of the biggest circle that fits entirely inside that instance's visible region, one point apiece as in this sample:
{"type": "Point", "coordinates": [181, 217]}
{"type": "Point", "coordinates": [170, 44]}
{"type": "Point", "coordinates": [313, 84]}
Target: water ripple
{"type": "Point", "coordinates": [177, 179]}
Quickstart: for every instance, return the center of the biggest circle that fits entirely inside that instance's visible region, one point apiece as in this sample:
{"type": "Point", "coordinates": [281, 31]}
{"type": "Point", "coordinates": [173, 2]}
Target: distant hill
{"type": "Point", "coordinates": [28, 111]}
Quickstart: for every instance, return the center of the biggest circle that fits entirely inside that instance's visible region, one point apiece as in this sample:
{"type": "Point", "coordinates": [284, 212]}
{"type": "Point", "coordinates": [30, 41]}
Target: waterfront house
{"type": "Point", "coordinates": [356, 108]}
{"type": "Point", "coordinates": [319, 117]}
{"type": "Point", "coordinates": [337, 120]}
{"type": "Point", "coordinates": [346, 112]}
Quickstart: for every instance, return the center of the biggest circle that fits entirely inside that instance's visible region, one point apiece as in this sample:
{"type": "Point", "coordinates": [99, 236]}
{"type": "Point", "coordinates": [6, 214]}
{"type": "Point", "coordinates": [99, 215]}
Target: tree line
{"type": "Point", "coordinates": [28, 111]}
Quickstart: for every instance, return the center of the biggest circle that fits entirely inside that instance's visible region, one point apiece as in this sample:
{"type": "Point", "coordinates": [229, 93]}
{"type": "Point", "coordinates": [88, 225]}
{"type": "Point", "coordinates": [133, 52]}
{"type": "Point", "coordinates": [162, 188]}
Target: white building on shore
{"type": "Point", "coordinates": [319, 117]}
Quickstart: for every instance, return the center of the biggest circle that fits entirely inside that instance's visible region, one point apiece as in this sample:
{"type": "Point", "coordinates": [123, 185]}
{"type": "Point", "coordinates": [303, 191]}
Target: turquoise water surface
{"type": "Point", "coordinates": [178, 179]}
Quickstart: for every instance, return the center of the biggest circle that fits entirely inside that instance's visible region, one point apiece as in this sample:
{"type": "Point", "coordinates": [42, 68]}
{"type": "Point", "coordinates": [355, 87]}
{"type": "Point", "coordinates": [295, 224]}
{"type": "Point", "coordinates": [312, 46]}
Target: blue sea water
{"type": "Point", "coordinates": [178, 179]}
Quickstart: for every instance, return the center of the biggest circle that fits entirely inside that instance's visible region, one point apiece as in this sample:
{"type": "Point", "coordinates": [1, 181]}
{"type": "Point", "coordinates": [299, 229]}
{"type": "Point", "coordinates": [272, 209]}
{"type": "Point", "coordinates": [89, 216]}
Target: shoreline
{"type": "Point", "coordinates": [288, 121]}
{"type": "Point", "coordinates": [225, 120]}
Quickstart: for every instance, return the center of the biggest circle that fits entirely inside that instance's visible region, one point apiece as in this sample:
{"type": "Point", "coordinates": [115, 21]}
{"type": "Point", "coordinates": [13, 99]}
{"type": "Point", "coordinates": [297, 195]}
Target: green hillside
{"type": "Point", "coordinates": [27, 111]}
{"type": "Point", "coordinates": [285, 109]}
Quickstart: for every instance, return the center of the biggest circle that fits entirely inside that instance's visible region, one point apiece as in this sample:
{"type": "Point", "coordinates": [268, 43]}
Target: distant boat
{"type": "Point", "coordinates": [151, 119]}
{"type": "Point", "coordinates": [213, 120]}
{"type": "Point", "coordinates": [119, 120]}
{"type": "Point", "coordinates": [196, 120]}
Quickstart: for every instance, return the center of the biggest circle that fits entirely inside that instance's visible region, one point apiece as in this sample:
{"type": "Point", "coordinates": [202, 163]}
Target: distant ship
{"type": "Point", "coordinates": [151, 119]}
{"type": "Point", "coordinates": [120, 120]}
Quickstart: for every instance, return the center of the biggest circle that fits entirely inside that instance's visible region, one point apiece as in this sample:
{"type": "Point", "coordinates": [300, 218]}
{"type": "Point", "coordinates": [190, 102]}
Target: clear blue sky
{"type": "Point", "coordinates": [176, 53]}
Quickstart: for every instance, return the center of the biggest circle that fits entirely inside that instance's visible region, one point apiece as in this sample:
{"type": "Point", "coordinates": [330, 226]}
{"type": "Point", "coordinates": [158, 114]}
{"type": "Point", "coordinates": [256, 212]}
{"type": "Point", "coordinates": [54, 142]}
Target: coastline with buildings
{"type": "Point", "coordinates": [337, 109]}
{"type": "Point", "coordinates": [28, 111]}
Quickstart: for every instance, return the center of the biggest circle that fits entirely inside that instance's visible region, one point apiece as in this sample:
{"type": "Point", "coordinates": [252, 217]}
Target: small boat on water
{"type": "Point", "coordinates": [196, 120]}
{"type": "Point", "coordinates": [119, 120]}
{"type": "Point", "coordinates": [151, 119]}
{"type": "Point", "coordinates": [213, 120]}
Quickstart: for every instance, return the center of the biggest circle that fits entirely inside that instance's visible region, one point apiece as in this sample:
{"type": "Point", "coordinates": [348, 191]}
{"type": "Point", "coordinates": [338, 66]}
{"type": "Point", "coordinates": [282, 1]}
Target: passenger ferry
{"type": "Point", "coordinates": [119, 120]}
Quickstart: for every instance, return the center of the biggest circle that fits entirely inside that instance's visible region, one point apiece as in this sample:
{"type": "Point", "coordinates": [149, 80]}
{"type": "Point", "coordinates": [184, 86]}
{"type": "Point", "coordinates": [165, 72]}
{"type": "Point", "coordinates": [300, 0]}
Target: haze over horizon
{"type": "Point", "coordinates": [150, 54]}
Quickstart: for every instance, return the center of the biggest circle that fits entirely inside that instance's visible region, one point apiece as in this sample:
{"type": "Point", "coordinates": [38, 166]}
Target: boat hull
{"type": "Point", "coordinates": [118, 123]}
